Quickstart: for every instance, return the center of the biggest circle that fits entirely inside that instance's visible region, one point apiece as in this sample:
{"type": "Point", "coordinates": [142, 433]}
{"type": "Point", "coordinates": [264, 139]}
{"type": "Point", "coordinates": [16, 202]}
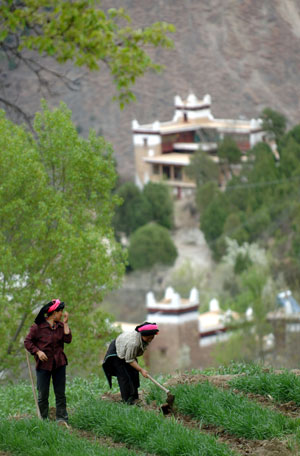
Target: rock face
{"type": "Point", "coordinates": [244, 53]}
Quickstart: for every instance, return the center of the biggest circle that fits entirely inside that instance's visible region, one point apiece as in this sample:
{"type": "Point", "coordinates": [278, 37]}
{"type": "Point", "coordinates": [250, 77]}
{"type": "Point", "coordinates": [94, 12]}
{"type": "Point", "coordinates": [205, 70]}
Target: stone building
{"type": "Point", "coordinates": [186, 338]}
{"type": "Point", "coordinates": [177, 345]}
{"type": "Point", "coordinates": [163, 149]}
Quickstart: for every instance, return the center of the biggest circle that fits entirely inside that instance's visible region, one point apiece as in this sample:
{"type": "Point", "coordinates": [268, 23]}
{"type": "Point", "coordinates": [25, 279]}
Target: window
{"type": "Point", "coordinates": [177, 173]}
{"type": "Point", "coordinates": [166, 172]}
{"type": "Point", "coordinates": [155, 169]}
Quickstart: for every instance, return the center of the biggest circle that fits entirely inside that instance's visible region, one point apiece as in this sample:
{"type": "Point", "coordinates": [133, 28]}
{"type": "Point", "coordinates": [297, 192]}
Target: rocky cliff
{"type": "Point", "coordinates": [244, 53]}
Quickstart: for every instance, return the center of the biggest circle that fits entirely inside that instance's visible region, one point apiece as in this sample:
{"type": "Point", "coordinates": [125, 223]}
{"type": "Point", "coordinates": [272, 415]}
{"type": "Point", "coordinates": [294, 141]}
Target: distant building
{"type": "Point", "coordinates": [163, 149]}
{"type": "Point", "coordinates": [186, 338]}
{"type": "Point", "coordinates": [285, 322]}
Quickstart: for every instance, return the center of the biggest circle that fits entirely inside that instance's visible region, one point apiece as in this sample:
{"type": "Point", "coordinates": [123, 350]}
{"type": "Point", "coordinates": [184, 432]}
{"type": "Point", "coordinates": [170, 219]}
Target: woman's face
{"type": "Point", "coordinates": [148, 339]}
{"type": "Point", "coordinates": [57, 315]}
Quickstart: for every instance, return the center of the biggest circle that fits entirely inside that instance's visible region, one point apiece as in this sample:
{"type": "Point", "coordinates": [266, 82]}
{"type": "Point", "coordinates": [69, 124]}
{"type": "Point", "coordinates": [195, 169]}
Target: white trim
{"type": "Point", "coordinates": [173, 319]}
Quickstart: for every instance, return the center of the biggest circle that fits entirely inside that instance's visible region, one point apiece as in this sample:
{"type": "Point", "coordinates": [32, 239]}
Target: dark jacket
{"type": "Point", "coordinates": [50, 341]}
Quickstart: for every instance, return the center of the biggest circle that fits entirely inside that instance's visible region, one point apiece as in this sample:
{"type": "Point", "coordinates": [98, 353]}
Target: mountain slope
{"type": "Point", "coordinates": [245, 53]}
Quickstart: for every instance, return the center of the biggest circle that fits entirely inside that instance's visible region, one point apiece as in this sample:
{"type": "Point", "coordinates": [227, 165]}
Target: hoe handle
{"type": "Point", "coordinates": [32, 385]}
{"type": "Point", "coordinates": [158, 384]}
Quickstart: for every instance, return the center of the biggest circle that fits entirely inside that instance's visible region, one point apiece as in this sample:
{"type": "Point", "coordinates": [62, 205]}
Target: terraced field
{"type": "Point", "coordinates": [237, 411]}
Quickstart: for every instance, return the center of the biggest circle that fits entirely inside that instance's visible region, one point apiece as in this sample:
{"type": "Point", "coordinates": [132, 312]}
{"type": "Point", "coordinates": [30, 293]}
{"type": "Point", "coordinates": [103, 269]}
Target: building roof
{"type": "Point", "coordinates": [226, 125]}
{"type": "Point", "coordinates": [169, 159]}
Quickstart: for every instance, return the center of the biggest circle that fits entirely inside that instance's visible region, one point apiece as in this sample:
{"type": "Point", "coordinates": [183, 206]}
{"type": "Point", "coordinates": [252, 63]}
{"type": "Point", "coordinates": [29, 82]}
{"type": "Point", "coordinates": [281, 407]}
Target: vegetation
{"type": "Point", "coordinates": [80, 32]}
{"type": "Point", "coordinates": [143, 430]}
{"type": "Point", "coordinates": [136, 430]}
{"type": "Point", "coordinates": [228, 151]}
{"type": "Point", "coordinates": [139, 207]}
{"type": "Point", "coordinates": [160, 200]}
{"type": "Point", "coordinates": [234, 413]}
{"type": "Point", "coordinates": [274, 123]}
{"type": "Point", "coordinates": [283, 387]}
{"type": "Point", "coordinates": [56, 206]}
{"type": "Point", "coordinates": [150, 245]}
{"type": "Point", "coordinates": [48, 439]}
{"type": "Point", "coordinates": [202, 169]}
{"type": "Point", "coordinates": [134, 212]}
{"type": "Point", "coordinates": [260, 205]}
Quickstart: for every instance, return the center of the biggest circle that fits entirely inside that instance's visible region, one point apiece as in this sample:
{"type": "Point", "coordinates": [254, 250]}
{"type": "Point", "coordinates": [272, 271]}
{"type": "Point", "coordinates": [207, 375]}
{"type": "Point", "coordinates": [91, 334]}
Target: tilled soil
{"type": "Point", "coordinates": [243, 446]}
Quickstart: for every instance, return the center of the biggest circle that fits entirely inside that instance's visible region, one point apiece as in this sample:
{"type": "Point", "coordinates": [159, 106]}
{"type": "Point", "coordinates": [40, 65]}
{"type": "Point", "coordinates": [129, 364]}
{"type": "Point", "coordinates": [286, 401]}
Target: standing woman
{"type": "Point", "coordinates": [121, 359]}
{"type": "Point", "coordinates": [45, 341]}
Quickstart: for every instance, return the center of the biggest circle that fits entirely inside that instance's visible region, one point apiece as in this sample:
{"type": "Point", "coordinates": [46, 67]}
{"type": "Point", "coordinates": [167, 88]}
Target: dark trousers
{"type": "Point", "coordinates": [128, 379]}
{"type": "Point", "coordinates": [59, 385]}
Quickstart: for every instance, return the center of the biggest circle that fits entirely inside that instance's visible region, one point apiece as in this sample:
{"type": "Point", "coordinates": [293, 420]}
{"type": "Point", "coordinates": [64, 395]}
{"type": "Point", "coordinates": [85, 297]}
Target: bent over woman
{"type": "Point", "coordinates": [45, 341]}
{"type": "Point", "coordinates": [121, 359]}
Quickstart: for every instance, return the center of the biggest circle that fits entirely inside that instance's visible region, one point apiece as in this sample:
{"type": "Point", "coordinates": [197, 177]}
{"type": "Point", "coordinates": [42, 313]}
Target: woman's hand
{"type": "Point", "coordinates": [42, 356]}
{"type": "Point", "coordinates": [66, 317]}
{"type": "Point", "coordinates": [144, 373]}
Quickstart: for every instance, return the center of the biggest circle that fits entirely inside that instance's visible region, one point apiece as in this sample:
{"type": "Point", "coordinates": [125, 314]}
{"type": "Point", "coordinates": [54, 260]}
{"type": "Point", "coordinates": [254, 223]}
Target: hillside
{"type": "Point", "coordinates": [239, 410]}
{"type": "Point", "coordinates": [245, 54]}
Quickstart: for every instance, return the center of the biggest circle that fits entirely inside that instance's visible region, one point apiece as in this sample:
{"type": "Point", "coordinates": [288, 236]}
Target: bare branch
{"type": "Point", "coordinates": [18, 110]}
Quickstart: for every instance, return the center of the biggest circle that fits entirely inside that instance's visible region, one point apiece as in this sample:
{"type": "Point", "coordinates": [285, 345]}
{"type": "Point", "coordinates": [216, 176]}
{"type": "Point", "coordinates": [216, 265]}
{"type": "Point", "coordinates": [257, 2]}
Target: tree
{"type": "Point", "coordinates": [205, 194]}
{"type": "Point", "coordinates": [274, 123]}
{"type": "Point", "coordinates": [150, 245]}
{"type": "Point", "coordinates": [135, 210]}
{"type": "Point", "coordinates": [153, 204]}
{"type": "Point", "coordinates": [229, 151]}
{"type": "Point", "coordinates": [202, 169]}
{"type": "Point", "coordinates": [213, 218]}
{"type": "Point", "coordinates": [79, 32]}
{"type": "Point", "coordinates": [161, 203]}
{"type": "Point", "coordinates": [56, 240]}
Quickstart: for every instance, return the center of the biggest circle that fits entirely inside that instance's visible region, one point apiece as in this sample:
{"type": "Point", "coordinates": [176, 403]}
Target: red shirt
{"type": "Point", "coordinates": [50, 341]}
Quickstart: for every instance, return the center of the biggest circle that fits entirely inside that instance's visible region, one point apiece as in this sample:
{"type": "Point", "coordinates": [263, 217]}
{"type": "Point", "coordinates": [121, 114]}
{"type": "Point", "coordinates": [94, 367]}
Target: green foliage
{"type": "Point", "coordinates": [235, 413]}
{"type": "Point", "coordinates": [56, 207]}
{"type": "Point", "coordinates": [205, 194]}
{"type": "Point", "coordinates": [234, 368]}
{"type": "Point", "coordinates": [48, 439]}
{"type": "Point", "coordinates": [213, 218]}
{"type": "Point", "coordinates": [240, 347]}
{"type": "Point", "coordinates": [153, 204]}
{"type": "Point", "coordinates": [149, 245]}
{"type": "Point", "coordinates": [229, 151]}
{"type": "Point", "coordinates": [258, 205]}
{"type": "Point", "coordinates": [161, 203]}
{"type": "Point", "coordinates": [202, 169]}
{"type": "Point", "coordinates": [274, 123]}
{"type": "Point", "coordinates": [135, 210]}
{"type": "Point", "coordinates": [187, 276]}
{"type": "Point", "coordinates": [283, 387]}
{"type": "Point", "coordinates": [83, 33]}
{"type": "Point", "coordinates": [143, 430]}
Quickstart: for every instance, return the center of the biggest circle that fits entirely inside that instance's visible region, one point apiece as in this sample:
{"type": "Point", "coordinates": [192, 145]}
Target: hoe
{"type": "Point", "coordinates": [168, 406]}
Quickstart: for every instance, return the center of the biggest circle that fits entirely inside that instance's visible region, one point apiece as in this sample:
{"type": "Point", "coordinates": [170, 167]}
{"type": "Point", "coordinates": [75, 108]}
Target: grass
{"type": "Point", "coordinates": [284, 387]}
{"type": "Point", "coordinates": [17, 399]}
{"type": "Point", "coordinates": [39, 438]}
{"type": "Point", "coordinates": [234, 368]}
{"type": "Point", "coordinates": [144, 430]}
{"type": "Point", "coordinates": [234, 413]}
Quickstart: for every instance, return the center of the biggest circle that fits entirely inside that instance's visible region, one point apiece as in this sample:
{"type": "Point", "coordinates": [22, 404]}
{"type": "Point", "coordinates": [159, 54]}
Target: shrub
{"type": "Point", "coordinates": [149, 245]}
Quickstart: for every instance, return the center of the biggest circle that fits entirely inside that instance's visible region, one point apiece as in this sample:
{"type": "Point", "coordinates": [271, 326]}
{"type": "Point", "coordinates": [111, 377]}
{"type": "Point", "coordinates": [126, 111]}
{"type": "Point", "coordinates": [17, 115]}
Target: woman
{"type": "Point", "coordinates": [45, 341]}
{"type": "Point", "coordinates": [120, 359]}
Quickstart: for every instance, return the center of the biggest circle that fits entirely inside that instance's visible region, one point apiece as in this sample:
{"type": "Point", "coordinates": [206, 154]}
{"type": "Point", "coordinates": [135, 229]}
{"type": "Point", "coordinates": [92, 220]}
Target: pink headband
{"type": "Point", "coordinates": [54, 306]}
{"type": "Point", "coordinates": [148, 328]}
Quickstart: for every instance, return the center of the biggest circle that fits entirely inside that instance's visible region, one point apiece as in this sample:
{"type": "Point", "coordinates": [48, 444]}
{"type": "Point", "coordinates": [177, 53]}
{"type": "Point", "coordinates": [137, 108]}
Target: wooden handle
{"type": "Point", "coordinates": [158, 384]}
{"type": "Point", "coordinates": [33, 388]}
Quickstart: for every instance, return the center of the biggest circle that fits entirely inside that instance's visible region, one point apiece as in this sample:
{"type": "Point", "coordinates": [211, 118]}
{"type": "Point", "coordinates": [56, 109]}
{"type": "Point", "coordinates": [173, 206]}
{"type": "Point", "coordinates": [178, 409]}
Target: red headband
{"type": "Point", "coordinates": [149, 327]}
{"type": "Point", "coordinates": [54, 306]}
